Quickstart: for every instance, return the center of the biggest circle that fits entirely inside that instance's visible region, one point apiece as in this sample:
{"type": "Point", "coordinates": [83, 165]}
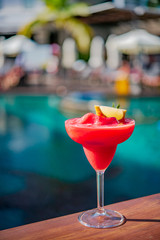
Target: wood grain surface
{"type": "Point", "coordinates": [142, 223]}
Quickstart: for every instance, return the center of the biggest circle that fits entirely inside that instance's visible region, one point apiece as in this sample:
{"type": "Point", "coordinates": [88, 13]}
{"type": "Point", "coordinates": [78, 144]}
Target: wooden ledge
{"type": "Point", "coordinates": [142, 222]}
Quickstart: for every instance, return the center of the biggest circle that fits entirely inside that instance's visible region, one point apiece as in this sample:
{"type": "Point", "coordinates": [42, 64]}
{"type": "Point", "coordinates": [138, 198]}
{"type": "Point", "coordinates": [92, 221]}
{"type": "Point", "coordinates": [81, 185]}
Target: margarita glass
{"type": "Point", "coordinates": [99, 137]}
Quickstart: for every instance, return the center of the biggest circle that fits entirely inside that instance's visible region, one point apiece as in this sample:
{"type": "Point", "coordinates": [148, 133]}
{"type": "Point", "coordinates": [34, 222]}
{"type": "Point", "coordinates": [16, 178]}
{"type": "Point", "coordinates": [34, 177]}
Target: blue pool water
{"type": "Point", "coordinates": [44, 174]}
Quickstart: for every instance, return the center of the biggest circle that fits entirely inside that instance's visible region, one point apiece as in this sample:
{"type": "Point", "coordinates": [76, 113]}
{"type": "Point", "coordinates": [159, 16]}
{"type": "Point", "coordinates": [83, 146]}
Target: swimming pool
{"type": "Point", "coordinates": [44, 174]}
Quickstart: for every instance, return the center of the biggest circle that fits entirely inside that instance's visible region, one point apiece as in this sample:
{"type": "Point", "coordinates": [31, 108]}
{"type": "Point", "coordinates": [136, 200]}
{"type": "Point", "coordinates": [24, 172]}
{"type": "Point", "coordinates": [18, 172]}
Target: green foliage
{"type": "Point", "coordinates": [70, 9]}
{"type": "Point", "coordinates": [78, 30]}
{"type": "Point", "coordinates": [63, 14]}
{"type": "Point", "coordinates": [55, 4]}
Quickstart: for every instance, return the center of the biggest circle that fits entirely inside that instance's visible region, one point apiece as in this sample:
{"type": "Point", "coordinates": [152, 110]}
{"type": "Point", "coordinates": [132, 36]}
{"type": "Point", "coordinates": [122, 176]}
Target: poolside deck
{"type": "Point", "coordinates": [142, 222]}
{"type": "Point", "coordinates": [61, 86]}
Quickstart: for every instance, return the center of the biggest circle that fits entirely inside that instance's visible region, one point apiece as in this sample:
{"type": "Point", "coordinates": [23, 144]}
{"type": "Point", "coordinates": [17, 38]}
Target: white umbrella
{"type": "Point", "coordinates": [137, 41]}
{"type": "Point", "coordinates": [16, 44]}
{"type": "Point", "coordinates": [36, 58]}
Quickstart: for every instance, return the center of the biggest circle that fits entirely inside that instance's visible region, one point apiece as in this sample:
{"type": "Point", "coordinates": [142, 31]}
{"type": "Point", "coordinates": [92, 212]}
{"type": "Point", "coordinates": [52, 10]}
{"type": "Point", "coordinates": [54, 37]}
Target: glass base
{"type": "Point", "coordinates": [101, 219]}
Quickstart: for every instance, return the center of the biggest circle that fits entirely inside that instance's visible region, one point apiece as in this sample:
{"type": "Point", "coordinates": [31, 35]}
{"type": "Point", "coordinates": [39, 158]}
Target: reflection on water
{"type": "Point", "coordinates": [44, 174]}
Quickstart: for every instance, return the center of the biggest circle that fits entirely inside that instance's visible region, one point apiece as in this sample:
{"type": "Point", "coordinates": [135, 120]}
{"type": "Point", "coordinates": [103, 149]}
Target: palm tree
{"type": "Point", "coordinates": [63, 15]}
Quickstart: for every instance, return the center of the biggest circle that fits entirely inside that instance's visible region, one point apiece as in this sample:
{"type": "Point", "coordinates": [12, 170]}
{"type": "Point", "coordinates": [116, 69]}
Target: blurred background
{"type": "Point", "coordinates": [58, 58]}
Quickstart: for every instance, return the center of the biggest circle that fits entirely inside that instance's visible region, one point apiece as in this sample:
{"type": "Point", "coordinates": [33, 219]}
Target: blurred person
{"type": "Point", "coordinates": [11, 78]}
{"type": "Point", "coordinates": [122, 81]}
{"type": "Point", "coordinates": [136, 72]}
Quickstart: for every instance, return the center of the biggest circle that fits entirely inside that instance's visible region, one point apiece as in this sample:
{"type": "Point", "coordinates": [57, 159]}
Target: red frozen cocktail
{"type": "Point", "coordinates": [99, 135]}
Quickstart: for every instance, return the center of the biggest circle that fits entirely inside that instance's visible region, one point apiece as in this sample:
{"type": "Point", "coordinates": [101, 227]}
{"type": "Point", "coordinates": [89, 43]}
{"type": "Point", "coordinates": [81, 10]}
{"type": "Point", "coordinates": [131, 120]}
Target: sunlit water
{"type": "Point", "coordinates": [44, 174]}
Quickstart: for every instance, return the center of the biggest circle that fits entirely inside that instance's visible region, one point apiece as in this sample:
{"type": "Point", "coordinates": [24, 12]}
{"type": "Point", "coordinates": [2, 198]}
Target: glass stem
{"type": "Point", "coordinates": [100, 191]}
